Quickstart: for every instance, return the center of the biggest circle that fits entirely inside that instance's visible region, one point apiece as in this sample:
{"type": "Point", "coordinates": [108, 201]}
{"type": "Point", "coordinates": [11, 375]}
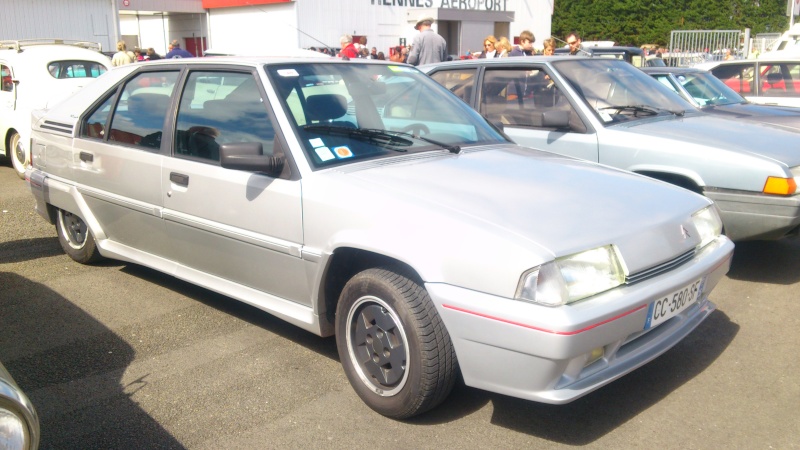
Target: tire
{"type": "Point", "coordinates": [17, 154]}
{"type": "Point", "coordinates": [393, 345]}
{"type": "Point", "coordinates": [75, 238]}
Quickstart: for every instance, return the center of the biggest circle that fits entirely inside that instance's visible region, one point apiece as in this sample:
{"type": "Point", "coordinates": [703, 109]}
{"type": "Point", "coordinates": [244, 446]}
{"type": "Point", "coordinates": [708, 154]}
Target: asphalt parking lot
{"type": "Point", "coordinates": [118, 356]}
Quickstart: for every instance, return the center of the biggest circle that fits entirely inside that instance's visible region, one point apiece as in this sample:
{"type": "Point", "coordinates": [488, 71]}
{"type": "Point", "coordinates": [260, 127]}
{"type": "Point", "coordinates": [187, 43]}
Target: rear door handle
{"type": "Point", "coordinates": [87, 157]}
{"type": "Point", "coordinates": [179, 179]}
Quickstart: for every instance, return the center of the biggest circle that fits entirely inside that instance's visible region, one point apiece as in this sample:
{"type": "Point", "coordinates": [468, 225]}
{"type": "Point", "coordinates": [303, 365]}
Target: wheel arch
{"type": "Point", "coordinates": [344, 263]}
{"type": "Point", "coordinates": [683, 180]}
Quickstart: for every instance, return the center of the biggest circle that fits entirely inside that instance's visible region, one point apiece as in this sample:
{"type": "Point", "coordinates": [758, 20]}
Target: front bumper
{"type": "Point", "coordinates": [754, 216]}
{"type": "Point", "coordinates": [540, 353]}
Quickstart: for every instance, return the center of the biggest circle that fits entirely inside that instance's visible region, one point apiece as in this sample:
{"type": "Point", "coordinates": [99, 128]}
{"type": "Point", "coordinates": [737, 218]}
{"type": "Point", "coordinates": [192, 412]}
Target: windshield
{"type": "Point", "coordinates": [619, 92]}
{"type": "Point", "coordinates": [708, 90]}
{"type": "Point", "coordinates": [344, 112]}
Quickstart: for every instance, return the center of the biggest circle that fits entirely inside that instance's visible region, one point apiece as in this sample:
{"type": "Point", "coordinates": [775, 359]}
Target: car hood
{"type": "Point", "coordinates": [510, 205]}
{"type": "Point", "coordinates": [783, 116]}
{"type": "Point", "coordinates": [778, 144]}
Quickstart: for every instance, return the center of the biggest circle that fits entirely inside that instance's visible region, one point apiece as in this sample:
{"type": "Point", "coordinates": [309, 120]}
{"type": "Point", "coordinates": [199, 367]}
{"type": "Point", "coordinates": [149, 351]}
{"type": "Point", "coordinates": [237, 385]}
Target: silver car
{"type": "Point", "coordinates": [709, 94]}
{"type": "Point", "coordinates": [363, 200]}
{"type": "Point", "coordinates": [19, 423]}
{"type": "Point", "coordinates": [608, 111]}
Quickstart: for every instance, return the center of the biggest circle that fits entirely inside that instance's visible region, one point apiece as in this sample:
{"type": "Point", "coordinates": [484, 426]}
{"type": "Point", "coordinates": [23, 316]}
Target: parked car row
{"type": "Point", "coordinates": [362, 200]}
{"type": "Point", "coordinates": [608, 111]}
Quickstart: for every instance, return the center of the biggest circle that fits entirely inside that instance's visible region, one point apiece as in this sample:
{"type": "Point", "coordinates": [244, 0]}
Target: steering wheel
{"type": "Point", "coordinates": [416, 129]}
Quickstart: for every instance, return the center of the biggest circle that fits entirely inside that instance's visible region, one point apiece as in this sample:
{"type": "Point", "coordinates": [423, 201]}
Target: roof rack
{"type": "Point", "coordinates": [19, 45]}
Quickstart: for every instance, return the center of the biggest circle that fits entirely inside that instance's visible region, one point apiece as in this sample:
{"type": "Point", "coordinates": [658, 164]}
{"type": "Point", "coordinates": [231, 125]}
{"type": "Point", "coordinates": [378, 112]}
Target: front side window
{"type": "Point", "coordinates": [780, 80]}
{"type": "Point", "coordinates": [343, 113]}
{"type": "Point", "coordinates": [75, 69]}
{"type": "Point", "coordinates": [220, 108]}
{"type": "Point", "coordinates": [138, 119]}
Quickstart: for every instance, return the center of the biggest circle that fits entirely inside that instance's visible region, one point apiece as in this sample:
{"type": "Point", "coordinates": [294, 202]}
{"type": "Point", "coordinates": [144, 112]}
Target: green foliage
{"type": "Point", "coordinates": [637, 22]}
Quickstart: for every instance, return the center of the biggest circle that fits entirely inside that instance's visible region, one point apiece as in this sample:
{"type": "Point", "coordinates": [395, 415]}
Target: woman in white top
{"type": "Point", "coordinates": [123, 56]}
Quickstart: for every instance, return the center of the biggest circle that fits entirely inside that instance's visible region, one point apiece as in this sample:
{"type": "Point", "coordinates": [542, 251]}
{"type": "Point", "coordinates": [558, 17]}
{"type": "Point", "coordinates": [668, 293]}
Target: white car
{"type": "Point", "coordinates": [37, 74]}
{"type": "Point", "coordinates": [767, 81]}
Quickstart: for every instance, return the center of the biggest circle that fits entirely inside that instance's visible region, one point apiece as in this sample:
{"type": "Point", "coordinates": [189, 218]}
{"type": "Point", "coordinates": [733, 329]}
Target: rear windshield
{"type": "Point", "coordinates": [75, 69]}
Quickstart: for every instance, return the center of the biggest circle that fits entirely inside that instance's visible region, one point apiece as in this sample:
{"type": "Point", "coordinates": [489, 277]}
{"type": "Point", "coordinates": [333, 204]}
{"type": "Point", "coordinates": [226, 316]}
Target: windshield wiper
{"type": "Point", "coordinates": [388, 137]}
{"type": "Point", "coordinates": [369, 134]}
{"type": "Point", "coordinates": [650, 110]}
{"type": "Point", "coordinates": [451, 148]}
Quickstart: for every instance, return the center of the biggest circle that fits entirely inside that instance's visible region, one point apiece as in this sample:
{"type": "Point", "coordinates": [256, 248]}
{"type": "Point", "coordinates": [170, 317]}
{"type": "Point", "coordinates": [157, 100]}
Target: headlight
{"type": "Point", "coordinates": [708, 224]}
{"type": "Point", "coordinates": [13, 430]}
{"type": "Point", "coordinates": [573, 277]}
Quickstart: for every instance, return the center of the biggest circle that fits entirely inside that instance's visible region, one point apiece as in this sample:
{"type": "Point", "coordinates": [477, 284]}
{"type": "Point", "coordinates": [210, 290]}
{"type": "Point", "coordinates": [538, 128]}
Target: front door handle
{"type": "Point", "coordinates": [179, 179]}
{"type": "Point", "coordinates": [86, 157]}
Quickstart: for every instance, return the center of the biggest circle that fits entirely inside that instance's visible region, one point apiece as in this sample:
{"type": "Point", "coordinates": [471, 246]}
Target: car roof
{"type": "Point", "coordinates": [675, 70]}
{"type": "Point", "coordinates": [510, 61]}
{"type": "Point", "coordinates": [255, 61]}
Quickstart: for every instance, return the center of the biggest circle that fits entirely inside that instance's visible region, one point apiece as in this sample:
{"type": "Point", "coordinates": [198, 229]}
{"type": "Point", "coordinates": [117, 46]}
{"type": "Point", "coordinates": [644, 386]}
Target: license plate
{"type": "Point", "coordinates": [671, 305]}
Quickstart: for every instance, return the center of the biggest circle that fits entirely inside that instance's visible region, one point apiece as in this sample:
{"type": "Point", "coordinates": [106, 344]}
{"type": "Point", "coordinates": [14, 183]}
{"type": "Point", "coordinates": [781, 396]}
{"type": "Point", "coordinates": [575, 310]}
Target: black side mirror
{"type": "Point", "coordinates": [249, 156]}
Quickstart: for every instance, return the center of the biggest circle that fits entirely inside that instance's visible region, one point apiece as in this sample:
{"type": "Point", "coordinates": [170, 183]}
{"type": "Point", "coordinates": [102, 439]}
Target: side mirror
{"type": "Point", "coordinates": [249, 156]}
{"type": "Point", "coordinates": [558, 119]}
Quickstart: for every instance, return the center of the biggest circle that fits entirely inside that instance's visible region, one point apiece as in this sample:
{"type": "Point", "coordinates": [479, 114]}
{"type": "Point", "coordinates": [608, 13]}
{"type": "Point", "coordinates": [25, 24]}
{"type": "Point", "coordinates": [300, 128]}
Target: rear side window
{"type": "Point", "coordinates": [220, 108]}
{"type": "Point", "coordinates": [75, 69]}
{"type": "Point", "coordinates": [459, 82]}
{"type": "Point", "coordinates": [739, 77]}
{"type": "Point", "coordinates": [138, 119]}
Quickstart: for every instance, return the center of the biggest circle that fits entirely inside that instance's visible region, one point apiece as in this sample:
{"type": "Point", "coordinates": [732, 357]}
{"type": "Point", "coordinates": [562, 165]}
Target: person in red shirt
{"type": "Point", "coordinates": [348, 49]}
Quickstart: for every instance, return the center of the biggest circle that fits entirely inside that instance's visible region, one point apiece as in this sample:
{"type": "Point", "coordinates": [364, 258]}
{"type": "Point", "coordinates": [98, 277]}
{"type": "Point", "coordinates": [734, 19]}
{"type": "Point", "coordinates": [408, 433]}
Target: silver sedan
{"type": "Point", "coordinates": [365, 201]}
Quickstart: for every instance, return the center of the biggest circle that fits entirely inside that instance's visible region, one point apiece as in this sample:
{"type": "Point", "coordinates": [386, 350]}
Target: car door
{"type": "Point", "coordinates": [239, 226]}
{"type": "Point", "coordinates": [522, 99]}
{"type": "Point", "coordinates": [117, 161]}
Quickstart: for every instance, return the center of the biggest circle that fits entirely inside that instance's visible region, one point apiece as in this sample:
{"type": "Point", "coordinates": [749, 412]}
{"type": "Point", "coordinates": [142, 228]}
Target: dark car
{"type": "Point", "coordinates": [707, 92]}
{"type": "Point", "coordinates": [632, 55]}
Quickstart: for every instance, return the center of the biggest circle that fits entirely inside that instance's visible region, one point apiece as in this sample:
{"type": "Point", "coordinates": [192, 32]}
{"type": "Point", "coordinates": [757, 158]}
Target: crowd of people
{"type": "Point", "coordinates": [124, 56]}
{"type": "Point", "coordinates": [429, 47]}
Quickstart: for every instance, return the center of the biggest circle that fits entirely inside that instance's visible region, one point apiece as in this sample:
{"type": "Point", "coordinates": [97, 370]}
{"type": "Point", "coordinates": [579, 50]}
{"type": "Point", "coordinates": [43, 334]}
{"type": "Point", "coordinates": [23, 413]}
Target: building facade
{"type": "Point", "coordinates": [271, 25]}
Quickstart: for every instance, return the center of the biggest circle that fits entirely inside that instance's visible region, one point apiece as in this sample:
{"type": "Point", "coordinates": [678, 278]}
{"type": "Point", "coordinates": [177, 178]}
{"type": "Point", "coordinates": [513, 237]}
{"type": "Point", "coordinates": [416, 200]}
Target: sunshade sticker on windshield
{"type": "Point", "coordinates": [342, 152]}
{"type": "Point", "coordinates": [324, 153]}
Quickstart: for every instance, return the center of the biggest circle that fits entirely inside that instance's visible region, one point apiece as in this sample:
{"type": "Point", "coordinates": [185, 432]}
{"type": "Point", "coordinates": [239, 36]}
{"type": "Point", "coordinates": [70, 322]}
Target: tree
{"type": "Point", "coordinates": [637, 22]}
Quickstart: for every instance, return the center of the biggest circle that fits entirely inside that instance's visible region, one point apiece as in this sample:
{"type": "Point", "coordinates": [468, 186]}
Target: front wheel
{"type": "Point", "coordinates": [17, 154]}
{"type": "Point", "coordinates": [75, 238]}
{"type": "Point", "coordinates": [393, 345]}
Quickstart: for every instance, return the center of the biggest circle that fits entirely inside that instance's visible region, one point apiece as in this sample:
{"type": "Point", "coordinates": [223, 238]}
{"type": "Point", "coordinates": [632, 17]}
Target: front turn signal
{"type": "Point", "coordinates": [780, 186]}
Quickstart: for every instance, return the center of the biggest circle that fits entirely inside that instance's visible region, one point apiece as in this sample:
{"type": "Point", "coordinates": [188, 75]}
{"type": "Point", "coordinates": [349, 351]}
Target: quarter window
{"type": "Point", "coordinates": [220, 108]}
{"type": "Point", "coordinates": [5, 78]}
{"type": "Point", "coordinates": [75, 69]}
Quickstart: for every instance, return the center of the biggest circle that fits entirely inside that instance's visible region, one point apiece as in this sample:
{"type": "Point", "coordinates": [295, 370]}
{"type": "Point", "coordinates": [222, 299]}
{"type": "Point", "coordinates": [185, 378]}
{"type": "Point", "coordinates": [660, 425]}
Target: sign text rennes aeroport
{"type": "Point", "coordinates": [477, 5]}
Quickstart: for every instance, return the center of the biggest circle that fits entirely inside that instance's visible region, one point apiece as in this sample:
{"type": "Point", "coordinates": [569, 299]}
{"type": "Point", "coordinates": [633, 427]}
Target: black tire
{"type": "Point", "coordinates": [75, 238]}
{"type": "Point", "coordinates": [393, 345]}
{"type": "Point", "coordinates": [17, 154]}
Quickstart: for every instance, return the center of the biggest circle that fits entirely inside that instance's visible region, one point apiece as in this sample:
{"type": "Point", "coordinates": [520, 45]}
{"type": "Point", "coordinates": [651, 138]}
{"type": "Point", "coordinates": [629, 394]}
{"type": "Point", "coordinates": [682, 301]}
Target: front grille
{"type": "Point", "coordinates": [661, 268]}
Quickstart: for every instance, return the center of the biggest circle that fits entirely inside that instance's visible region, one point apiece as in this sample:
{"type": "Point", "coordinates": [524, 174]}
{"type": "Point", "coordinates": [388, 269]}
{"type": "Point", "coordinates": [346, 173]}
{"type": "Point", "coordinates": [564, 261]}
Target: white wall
{"type": "Point", "coordinates": [265, 28]}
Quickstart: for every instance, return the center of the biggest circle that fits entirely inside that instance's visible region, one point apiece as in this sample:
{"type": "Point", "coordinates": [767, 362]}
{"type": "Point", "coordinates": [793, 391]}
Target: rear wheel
{"type": "Point", "coordinates": [75, 238]}
{"type": "Point", "coordinates": [17, 154]}
{"type": "Point", "coordinates": [393, 345]}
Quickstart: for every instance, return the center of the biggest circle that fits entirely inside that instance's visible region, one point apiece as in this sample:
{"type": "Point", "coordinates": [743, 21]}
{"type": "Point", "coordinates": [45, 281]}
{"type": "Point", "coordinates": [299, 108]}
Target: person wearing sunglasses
{"type": "Point", "coordinates": [489, 50]}
{"type": "Point", "coordinates": [574, 42]}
